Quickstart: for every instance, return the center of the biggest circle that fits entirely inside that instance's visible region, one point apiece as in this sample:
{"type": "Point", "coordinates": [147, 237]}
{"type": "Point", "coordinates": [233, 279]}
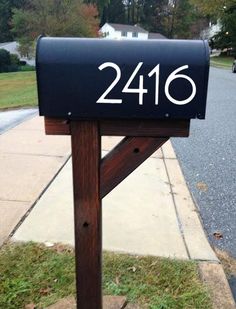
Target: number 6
{"type": "Point", "coordinates": [174, 76]}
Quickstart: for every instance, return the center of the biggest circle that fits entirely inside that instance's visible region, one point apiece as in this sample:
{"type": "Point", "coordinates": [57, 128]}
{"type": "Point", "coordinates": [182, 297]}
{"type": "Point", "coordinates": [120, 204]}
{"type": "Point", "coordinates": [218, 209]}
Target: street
{"type": "Point", "coordinates": [208, 160]}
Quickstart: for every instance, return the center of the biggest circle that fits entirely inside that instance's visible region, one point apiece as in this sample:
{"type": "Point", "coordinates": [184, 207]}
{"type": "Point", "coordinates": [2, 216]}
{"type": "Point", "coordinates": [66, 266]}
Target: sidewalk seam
{"type": "Point", "coordinates": [32, 154]}
{"type": "Point", "coordinates": [37, 199]}
{"type": "Point", "coordinates": [18, 201]}
{"type": "Point", "coordinates": [175, 207]}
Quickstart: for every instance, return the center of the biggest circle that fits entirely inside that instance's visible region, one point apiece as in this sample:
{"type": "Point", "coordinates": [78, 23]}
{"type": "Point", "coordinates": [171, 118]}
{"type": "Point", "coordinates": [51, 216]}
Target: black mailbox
{"type": "Point", "coordinates": [122, 79]}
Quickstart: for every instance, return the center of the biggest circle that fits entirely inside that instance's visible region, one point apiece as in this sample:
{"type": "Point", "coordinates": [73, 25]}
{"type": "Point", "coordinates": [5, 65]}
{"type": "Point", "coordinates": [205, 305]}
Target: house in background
{"type": "Point", "coordinates": [124, 32]}
{"type": "Point", "coordinates": [156, 36]}
{"type": "Point", "coordinates": [119, 31]}
{"type": "Point", "coordinates": [210, 31]}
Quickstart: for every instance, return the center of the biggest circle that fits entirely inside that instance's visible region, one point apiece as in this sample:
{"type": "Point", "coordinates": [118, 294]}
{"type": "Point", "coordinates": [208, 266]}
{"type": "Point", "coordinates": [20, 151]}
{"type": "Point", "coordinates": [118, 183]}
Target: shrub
{"type": "Point", "coordinates": [15, 60]}
{"type": "Point", "coordinates": [27, 68]}
{"type": "Point", "coordinates": [5, 59]}
{"type": "Point", "coordinates": [22, 62]}
{"type": "Point", "coordinates": [12, 63]}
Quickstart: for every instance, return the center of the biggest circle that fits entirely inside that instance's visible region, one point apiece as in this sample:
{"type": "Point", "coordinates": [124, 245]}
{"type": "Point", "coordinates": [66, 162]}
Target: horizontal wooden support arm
{"type": "Point", "coordinates": [143, 128]}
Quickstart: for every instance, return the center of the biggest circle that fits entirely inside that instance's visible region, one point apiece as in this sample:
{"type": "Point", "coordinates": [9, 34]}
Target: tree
{"type": "Point", "coordinates": [174, 18]}
{"type": "Point", "coordinates": [213, 8]}
{"type": "Point", "coordinates": [181, 19]}
{"type": "Point", "coordinates": [5, 34]}
{"type": "Point", "coordinates": [153, 15]}
{"type": "Point", "coordinates": [6, 8]}
{"type": "Point", "coordinates": [226, 38]}
{"type": "Point", "coordinates": [224, 13]}
{"type": "Point", "coordinates": [54, 18]}
{"type": "Point", "coordinates": [114, 12]}
{"type": "Point", "coordinates": [100, 4]}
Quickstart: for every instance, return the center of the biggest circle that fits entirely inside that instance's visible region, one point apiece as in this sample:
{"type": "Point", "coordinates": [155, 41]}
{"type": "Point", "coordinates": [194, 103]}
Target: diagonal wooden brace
{"type": "Point", "coordinates": [124, 159]}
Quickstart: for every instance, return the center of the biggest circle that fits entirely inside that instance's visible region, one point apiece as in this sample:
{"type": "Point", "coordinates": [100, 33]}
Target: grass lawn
{"type": "Point", "coordinates": [18, 89]}
{"type": "Point", "coordinates": [222, 62]}
{"type": "Point", "coordinates": [31, 273]}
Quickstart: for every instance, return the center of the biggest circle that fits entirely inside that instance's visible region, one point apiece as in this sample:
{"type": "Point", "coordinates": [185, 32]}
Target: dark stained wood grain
{"type": "Point", "coordinates": [125, 158]}
{"type": "Point", "coordinates": [55, 126]}
{"type": "Point", "coordinates": [86, 153]}
{"type": "Point", "coordinates": [142, 128]}
{"type": "Point", "coordinates": [154, 128]}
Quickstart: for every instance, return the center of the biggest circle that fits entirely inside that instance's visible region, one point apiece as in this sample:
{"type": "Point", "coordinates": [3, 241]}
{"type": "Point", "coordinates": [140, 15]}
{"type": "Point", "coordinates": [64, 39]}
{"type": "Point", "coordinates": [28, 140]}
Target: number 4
{"type": "Point", "coordinates": [139, 90]}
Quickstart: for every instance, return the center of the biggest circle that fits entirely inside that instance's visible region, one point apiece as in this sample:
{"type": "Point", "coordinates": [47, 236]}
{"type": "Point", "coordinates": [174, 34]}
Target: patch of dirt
{"type": "Point", "coordinates": [228, 262]}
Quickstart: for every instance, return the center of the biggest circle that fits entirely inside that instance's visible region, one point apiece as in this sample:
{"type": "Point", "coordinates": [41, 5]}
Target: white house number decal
{"type": "Point", "coordinates": [141, 90]}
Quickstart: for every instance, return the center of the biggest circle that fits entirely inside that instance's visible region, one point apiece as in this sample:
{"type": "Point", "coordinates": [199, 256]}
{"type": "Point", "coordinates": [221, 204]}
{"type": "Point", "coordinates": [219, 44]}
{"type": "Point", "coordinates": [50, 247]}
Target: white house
{"type": "Point", "coordinates": [156, 36]}
{"type": "Point", "coordinates": [119, 31]}
{"type": "Point", "coordinates": [209, 32]}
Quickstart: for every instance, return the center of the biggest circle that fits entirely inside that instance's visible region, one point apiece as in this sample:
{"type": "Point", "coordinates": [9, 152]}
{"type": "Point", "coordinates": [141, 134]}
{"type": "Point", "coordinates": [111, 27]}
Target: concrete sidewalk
{"type": "Point", "coordinates": [29, 160]}
{"type": "Point", "coordinates": [151, 212]}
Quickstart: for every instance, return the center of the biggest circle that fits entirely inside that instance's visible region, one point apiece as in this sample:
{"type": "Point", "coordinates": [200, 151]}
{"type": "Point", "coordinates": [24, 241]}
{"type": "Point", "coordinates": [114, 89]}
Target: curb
{"type": "Point", "coordinates": [213, 276]}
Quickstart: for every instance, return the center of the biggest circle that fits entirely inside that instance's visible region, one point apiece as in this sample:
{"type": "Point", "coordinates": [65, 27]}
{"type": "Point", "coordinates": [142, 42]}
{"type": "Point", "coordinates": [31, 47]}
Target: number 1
{"type": "Point", "coordinates": [156, 71]}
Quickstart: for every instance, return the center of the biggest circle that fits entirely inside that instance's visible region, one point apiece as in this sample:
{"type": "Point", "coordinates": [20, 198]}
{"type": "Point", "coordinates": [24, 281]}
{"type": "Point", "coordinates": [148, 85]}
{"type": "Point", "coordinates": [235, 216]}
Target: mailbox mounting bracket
{"type": "Point", "coordinates": [94, 178]}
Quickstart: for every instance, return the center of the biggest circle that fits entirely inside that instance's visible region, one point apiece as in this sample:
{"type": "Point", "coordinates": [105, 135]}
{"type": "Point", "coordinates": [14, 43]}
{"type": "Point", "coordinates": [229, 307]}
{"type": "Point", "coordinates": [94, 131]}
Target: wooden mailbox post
{"type": "Point", "coordinates": [146, 91]}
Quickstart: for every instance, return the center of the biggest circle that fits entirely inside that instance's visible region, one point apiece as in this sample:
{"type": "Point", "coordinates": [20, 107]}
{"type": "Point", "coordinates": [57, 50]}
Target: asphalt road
{"type": "Point", "coordinates": [9, 119]}
{"type": "Point", "coordinates": [208, 160]}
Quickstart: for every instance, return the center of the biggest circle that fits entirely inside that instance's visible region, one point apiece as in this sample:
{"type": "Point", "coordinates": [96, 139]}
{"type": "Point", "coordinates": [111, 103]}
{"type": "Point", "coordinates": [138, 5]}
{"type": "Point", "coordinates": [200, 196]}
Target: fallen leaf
{"type": "Point", "coordinates": [30, 306]}
{"type": "Point", "coordinates": [132, 268]}
{"type": "Point", "coordinates": [60, 248]}
{"type": "Point", "coordinates": [45, 291]}
{"type": "Point", "coordinates": [202, 186]}
{"type": "Point", "coordinates": [218, 235]}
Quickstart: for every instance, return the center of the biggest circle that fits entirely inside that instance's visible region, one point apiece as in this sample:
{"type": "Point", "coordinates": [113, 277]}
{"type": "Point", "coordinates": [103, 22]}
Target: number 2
{"type": "Point", "coordinates": [102, 98]}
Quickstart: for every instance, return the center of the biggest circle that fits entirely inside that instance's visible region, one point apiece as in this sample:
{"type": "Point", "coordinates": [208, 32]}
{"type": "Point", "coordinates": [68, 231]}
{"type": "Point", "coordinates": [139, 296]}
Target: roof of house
{"type": "Point", "coordinates": [157, 36]}
{"type": "Point", "coordinates": [127, 28]}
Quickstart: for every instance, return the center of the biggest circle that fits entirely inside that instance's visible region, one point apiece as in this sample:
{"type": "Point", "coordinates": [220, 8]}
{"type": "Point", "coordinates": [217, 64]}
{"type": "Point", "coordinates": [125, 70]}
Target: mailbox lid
{"type": "Point", "coordinates": [74, 73]}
